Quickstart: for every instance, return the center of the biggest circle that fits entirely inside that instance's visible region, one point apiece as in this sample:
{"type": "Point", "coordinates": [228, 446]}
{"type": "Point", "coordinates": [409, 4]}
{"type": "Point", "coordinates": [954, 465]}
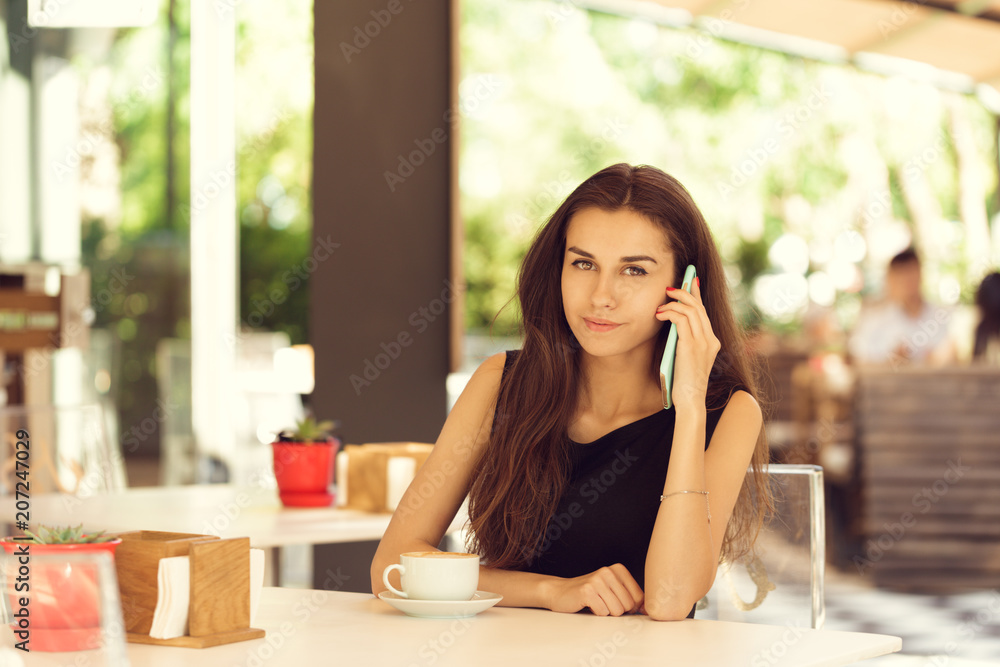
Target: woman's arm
{"type": "Point", "coordinates": [683, 553]}
{"type": "Point", "coordinates": [609, 591]}
{"type": "Point", "coordinates": [436, 493]}
{"type": "Point", "coordinates": [684, 549]}
{"type": "Point", "coordinates": [440, 485]}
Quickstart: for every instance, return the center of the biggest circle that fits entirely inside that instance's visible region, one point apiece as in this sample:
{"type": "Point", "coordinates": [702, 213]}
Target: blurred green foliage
{"type": "Point", "coordinates": [769, 144]}
{"type": "Point", "coordinates": [550, 93]}
{"type": "Point", "coordinates": [151, 247]}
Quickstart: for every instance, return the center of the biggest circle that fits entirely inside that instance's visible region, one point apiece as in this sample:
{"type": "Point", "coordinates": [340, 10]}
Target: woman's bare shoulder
{"type": "Point", "coordinates": [745, 405]}
{"type": "Point", "coordinates": [479, 396]}
{"type": "Point", "coordinates": [740, 422]}
{"type": "Point", "coordinates": [487, 376]}
{"type": "Point", "coordinates": [494, 363]}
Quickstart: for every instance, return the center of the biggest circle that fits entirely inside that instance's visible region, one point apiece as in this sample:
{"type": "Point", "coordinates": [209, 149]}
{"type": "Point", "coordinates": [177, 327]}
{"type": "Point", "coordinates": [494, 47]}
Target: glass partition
{"type": "Point", "coordinates": [783, 583]}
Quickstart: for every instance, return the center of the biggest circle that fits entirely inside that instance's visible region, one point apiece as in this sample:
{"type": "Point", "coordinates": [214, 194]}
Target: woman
{"type": "Point", "coordinates": [583, 491]}
{"type": "Point", "coordinates": [986, 349]}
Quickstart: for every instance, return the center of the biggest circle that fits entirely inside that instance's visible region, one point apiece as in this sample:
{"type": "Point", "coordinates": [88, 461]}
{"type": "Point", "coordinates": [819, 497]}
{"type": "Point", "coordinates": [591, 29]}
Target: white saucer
{"type": "Point", "coordinates": [481, 601]}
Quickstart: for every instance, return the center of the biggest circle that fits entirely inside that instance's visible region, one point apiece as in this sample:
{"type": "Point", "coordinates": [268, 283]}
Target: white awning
{"type": "Point", "coordinates": [953, 44]}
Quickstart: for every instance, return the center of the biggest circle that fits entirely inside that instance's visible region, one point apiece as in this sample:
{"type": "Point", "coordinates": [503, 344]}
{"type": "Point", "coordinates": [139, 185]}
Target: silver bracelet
{"type": "Point", "coordinates": [708, 509]}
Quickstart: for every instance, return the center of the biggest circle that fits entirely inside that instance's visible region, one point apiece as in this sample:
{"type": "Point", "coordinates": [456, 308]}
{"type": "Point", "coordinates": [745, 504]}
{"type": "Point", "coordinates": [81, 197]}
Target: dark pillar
{"type": "Point", "coordinates": [383, 305]}
{"type": "Point", "coordinates": [382, 190]}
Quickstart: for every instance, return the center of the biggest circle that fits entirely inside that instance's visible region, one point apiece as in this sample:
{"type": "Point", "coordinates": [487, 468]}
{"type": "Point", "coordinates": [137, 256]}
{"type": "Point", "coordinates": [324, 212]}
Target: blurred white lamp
{"type": "Point", "coordinates": [91, 13]}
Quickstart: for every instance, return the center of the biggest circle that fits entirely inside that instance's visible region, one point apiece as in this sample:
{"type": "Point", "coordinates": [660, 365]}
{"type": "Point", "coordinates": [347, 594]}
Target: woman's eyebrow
{"type": "Point", "coordinates": [637, 258]}
{"type": "Point", "coordinates": [625, 260]}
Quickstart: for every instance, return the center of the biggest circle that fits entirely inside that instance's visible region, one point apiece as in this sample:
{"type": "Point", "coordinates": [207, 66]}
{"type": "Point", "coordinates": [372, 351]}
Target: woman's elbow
{"type": "Point", "coordinates": [673, 603]}
{"type": "Point", "coordinates": [376, 579]}
{"type": "Point", "coordinates": [379, 563]}
{"type": "Point", "coordinates": [667, 611]}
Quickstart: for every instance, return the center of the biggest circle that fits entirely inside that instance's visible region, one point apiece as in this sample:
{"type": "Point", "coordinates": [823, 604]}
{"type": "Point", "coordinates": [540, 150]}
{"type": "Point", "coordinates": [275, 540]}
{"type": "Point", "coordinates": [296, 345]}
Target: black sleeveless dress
{"type": "Point", "coordinates": [609, 507]}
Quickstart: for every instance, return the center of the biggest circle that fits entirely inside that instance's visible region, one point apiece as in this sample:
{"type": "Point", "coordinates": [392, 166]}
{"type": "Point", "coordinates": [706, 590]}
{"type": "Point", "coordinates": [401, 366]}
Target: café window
{"type": "Point", "coordinates": [99, 101]}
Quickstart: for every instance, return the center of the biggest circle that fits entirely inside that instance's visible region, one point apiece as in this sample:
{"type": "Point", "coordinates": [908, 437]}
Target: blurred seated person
{"type": "Point", "coordinates": [903, 328]}
{"type": "Point", "coordinates": [986, 349]}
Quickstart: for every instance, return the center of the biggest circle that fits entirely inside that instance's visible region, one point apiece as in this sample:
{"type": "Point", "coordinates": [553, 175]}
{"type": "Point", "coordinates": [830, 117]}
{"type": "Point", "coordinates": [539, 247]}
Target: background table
{"type": "Point", "coordinates": [218, 509]}
{"type": "Point", "coordinates": [224, 510]}
{"type": "Point", "coordinates": [312, 627]}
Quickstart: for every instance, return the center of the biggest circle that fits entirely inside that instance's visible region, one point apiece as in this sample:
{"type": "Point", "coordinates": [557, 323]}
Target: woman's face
{"type": "Point", "coordinates": [616, 268]}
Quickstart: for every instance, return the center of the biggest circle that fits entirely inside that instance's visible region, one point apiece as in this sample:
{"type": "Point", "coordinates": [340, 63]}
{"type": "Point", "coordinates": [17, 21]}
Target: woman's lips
{"type": "Point", "coordinates": [600, 325]}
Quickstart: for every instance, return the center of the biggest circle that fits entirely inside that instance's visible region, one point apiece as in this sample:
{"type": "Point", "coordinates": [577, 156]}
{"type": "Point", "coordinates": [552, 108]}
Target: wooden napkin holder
{"type": "Point", "coordinates": [219, 604]}
{"type": "Point", "coordinates": [367, 471]}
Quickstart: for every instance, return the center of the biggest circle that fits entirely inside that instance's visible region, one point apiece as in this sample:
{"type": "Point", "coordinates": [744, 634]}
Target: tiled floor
{"type": "Point", "coordinates": [937, 630]}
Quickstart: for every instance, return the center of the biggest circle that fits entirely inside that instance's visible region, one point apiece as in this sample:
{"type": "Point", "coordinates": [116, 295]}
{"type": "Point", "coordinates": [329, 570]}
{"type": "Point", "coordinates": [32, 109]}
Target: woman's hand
{"type": "Point", "coordinates": [610, 591]}
{"type": "Point", "coordinates": [697, 345]}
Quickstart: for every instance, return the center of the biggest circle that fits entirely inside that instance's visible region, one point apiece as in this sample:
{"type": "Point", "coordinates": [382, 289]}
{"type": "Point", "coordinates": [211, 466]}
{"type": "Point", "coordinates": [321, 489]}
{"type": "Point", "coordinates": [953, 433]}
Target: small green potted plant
{"type": "Point", "coordinates": [303, 463]}
{"type": "Point", "coordinates": [64, 602]}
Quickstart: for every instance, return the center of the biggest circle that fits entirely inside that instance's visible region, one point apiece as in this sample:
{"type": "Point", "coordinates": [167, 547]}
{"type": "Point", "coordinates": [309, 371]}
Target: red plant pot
{"type": "Point", "coordinates": [304, 472]}
{"type": "Point", "coordinates": [64, 600]}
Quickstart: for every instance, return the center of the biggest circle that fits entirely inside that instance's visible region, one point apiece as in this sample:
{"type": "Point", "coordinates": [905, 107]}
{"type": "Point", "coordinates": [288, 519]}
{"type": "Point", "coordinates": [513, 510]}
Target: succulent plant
{"type": "Point", "coordinates": [66, 535]}
{"type": "Point", "coordinates": [309, 430]}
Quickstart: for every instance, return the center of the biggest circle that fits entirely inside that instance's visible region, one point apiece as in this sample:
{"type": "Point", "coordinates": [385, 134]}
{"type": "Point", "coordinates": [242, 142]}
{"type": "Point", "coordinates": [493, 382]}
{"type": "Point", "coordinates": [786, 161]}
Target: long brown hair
{"type": "Point", "coordinates": [521, 474]}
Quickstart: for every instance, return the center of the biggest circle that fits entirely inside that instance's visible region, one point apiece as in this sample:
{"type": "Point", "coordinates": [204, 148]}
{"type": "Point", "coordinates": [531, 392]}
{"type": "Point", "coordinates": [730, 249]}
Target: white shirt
{"type": "Point", "coordinates": [884, 328]}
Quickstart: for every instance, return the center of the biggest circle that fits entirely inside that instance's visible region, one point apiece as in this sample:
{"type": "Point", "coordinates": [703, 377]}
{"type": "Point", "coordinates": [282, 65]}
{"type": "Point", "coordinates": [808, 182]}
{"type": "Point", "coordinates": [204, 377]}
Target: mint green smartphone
{"type": "Point", "coordinates": [670, 349]}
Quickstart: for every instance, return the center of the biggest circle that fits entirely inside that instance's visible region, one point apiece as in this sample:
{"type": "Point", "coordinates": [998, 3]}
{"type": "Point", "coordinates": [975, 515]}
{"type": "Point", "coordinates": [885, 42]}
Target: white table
{"type": "Point", "coordinates": [214, 509]}
{"type": "Point", "coordinates": [306, 627]}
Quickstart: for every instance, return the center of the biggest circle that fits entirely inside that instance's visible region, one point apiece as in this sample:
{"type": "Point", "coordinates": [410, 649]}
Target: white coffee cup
{"type": "Point", "coordinates": [435, 575]}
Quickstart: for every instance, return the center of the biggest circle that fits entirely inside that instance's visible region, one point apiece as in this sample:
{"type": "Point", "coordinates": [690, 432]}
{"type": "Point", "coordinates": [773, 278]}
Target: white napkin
{"type": "Point", "coordinates": [256, 581]}
{"type": "Point", "coordinates": [400, 471]}
{"type": "Point", "coordinates": [341, 473]}
{"type": "Point", "coordinates": [173, 582]}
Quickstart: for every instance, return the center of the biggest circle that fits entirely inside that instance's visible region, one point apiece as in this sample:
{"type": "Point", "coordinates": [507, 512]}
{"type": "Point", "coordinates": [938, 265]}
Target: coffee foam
{"type": "Point", "coordinates": [439, 554]}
